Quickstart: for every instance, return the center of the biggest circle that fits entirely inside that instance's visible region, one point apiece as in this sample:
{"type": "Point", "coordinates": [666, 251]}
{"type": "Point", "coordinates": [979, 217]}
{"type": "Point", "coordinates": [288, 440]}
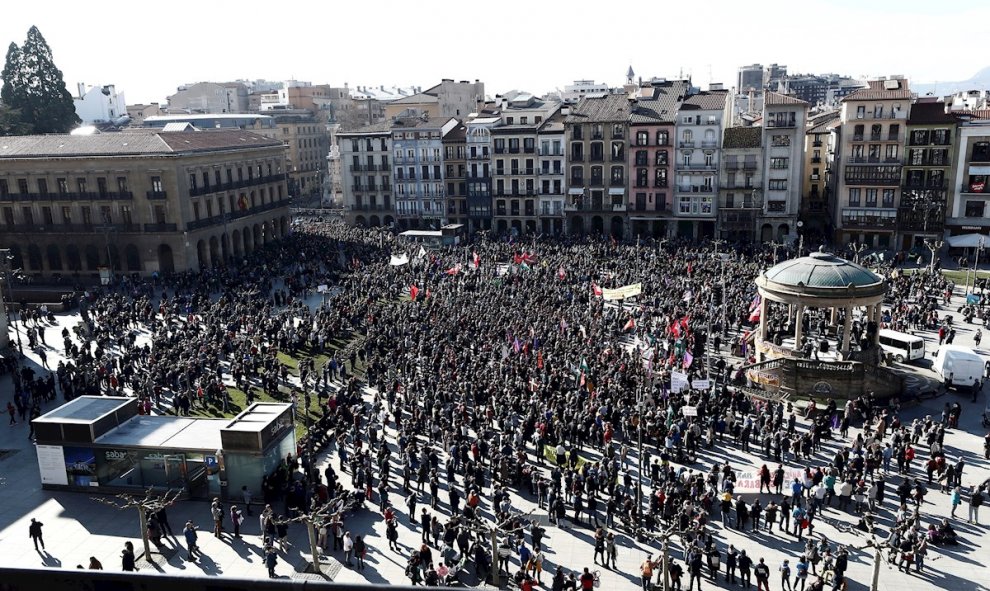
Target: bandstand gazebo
{"type": "Point", "coordinates": [833, 288]}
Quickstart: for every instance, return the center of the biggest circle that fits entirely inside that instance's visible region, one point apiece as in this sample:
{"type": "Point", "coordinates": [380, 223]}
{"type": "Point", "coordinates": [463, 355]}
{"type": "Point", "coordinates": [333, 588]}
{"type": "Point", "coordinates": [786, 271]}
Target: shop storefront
{"type": "Point", "coordinates": [101, 443]}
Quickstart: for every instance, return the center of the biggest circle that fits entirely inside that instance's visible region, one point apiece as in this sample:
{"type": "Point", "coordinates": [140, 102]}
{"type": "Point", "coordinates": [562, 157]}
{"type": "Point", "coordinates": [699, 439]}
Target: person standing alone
{"type": "Point", "coordinates": [34, 532]}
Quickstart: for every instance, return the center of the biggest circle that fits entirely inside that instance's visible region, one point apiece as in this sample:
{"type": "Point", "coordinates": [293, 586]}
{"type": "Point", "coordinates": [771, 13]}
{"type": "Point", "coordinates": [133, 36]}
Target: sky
{"type": "Point", "coordinates": [148, 49]}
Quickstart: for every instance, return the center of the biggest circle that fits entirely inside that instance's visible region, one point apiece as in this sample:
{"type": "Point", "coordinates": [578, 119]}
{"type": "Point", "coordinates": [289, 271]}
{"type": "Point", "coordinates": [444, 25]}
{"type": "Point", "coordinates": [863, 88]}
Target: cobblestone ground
{"type": "Point", "coordinates": [76, 527]}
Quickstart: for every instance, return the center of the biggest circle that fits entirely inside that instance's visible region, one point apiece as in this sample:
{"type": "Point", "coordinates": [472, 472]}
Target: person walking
{"type": "Point", "coordinates": [34, 532]}
{"type": "Point", "coordinates": [127, 561]}
{"type": "Point", "coordinates": [189, 532]}
{"type": "Point", "coordinates": [975, 501]}
{"type": "Point", "coordinates": [236, 517]}
{"type": "Point", "coordinates": [646, 571]}
{"type": "Point", "coordinates": [785, 575]}
{"type": "Point", "coordinates": [695, 570]}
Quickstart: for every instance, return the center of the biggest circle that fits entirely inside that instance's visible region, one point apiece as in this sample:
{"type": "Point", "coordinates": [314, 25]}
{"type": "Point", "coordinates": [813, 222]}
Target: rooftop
{"type": "Point", "coordinates": [930, 113]}
{"type": "Point", "coordinates": [143, 143]}
{"type": "Point", "coordinates": [613, 108]}
{"type": "Point", "coordinates": [772, 99]}
{"type": "Point", "coordinates": [85, 409]}
{"type": "Point", "coordinates": [711, 100]}
{"type": "Point", "coordinates": [823, 271]}
{"type": "Point", "coordinates": [879, 90]}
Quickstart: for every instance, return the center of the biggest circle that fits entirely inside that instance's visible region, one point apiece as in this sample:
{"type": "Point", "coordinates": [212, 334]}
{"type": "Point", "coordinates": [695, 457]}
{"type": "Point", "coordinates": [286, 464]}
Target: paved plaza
{"type": "Point", "coordinates": [77, 527]}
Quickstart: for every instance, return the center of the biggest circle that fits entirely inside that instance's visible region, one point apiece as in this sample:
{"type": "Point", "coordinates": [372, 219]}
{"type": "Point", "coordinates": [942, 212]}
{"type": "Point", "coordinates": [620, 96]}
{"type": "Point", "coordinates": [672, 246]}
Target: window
{"type": "Point", "coordinates": [778, 184]}
{"type": "Point", "coordinates": [779, 163]}
{"type": "Point", "coordinates": [618, 151]}
{"type": "Point", "coordinates": [975, 209]}
{"type": "Point", "coordinates": [618, 131]}
{"type": "Point", "coordinates": [888, 198]}
{"type": "Point", "coordinates": [642, 138]}
{"type": "Point", "coordinates": [780, 140]}
{"type": "Point", "coordinates": [122, 184]}
{"type": "Point", "coordinates": [876, 130]}
{"type": "Point", "coordinates": [642, 158]}
{"type": "Point", "coordinates": [940, 137]}
{"type": "Point", "coordinates": [878, 111]}
{"type": "Point", "coordinates": [854, 197]}
{"type": "Point", "coordinates": [871, 198]}
{"type": "Point", "coordinates": [890, 153]}
{"type": "Point", "coordinates": [81, 185]}
{"type": "Point", "coordinates": [661, 158]}
{"type": "Point", "coordinates": [46, 216]}
{"type": "Point", "coordinates": [28, 216]}
{"type": "Point", "coordinates": [660, 178]}
{"type": "Point", "coordinates": [860, 111]}
{"type": "Point", "coordinates": [916, 157]}
{"type": "Point", "coordinates": [22, 186]}
{"type": "Point", "coordinates": [66, 214]}
{"type": "Point", "coordinates": [192, 182]}
{"type": "Point", "coordinates": [919, 137]}
{"type": "Point", "coordinates": [894, 132]}
{"type": "Point", "coordinates": [663, 138]}
{"type": "Point", "coordinates": [981, 152]}
{"type": "Point", "coordinates": [42, 186]}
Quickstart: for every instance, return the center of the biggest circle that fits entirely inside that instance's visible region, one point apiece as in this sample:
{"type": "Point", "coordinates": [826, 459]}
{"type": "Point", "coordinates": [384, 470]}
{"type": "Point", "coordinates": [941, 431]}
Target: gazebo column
{"type": "Point", "coordinates": [763, 317]}
{"type": "Point", "coordinates": [846, 330]}
{"type": "Point", "coordinates": [834, 320]}
{"type": "Point", "coordinates": [798, 325]}
{"type": "Point", "coordinates": [877, 311]}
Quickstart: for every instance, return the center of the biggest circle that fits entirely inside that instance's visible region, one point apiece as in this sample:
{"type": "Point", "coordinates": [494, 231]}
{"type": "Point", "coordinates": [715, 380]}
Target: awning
{"type": "Point", "coordinates": [615, 191]}
{"type": "Point", "coordinates": [575, 191]}
{"type": "Point", "coordinates": [968, 241]}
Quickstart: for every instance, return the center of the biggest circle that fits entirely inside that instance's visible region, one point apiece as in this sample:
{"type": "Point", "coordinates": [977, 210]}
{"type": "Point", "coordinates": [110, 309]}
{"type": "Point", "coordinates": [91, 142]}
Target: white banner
{"type": "Point", "coordinates": [689, 411]}
{"type": "Point", "coordinates": [51, 464]}
{"type": "Point", "coordinates": [678, 381]}
{"type": "Point", "coordinates": [398, 261]}
{"type": "Point", "coordinates": [701, 384]}
{"type": "Point", "coordinates": [621, 293]}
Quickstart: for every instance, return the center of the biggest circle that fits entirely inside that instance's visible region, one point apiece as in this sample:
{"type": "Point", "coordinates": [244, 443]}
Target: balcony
{"type": "Point", "coordinates": [597, 182]}
{"type": "Point", "coordinates": [619, 207]}
{"type": "Point", "coordinates": [816, 160]}
{"type": "Point", "coordinates": [577, 157]}
{"type": "Point", "coordinates": [975, 188]}
{"type": "Point", "coordinates": [685, 144]}
{"type": "Point", "coordinates": [696, 167]}
{"type": "Point", "coordinates": [73, 228]}
{"type": "Point", "coordinates": [695, 189]}
{"type": "Point", "coordinates": [161, 227]}
{"type": "Point", "coordinates": [781, 122]}
{"type": "Point", "coordinates": [617, 183]}
{"type": "Point", "coordinates": [924, 186]}
{"type": "Point", "coordinates": [500, 150]}
{"type": "Point", "coordinates": [596, 158]}
{"type": "Point", "coordinates": [857, 137]}
{"type": "Point", "coordinates": [514, 150]}
{"type": "Point", "coordinates": [816, 144]}
{"type": "Point", "coordinates": [156, 195]}
{"type": "Point", "coordinates": [814, 177]}
{"type": "Point", "coordinates": [712, 144]}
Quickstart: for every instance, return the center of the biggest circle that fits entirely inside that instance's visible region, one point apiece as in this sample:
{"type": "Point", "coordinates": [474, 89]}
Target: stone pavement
{"type": "Point", "coordinates": [76, 527]}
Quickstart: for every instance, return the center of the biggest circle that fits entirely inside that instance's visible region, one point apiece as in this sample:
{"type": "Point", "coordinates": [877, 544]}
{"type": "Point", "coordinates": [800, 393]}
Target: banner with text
{"type": "Point", "coordinates": [621, 293]}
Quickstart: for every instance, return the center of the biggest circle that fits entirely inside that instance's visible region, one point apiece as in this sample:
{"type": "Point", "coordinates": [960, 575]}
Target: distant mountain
{"type": "Point", "coordinates": [980, 81]}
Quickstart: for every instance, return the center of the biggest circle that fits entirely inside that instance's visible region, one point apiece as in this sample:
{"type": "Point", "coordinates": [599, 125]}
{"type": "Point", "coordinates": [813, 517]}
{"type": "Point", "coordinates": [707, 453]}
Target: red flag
{"type": "Point", "coordinates": [689, 268]}
{"type": "Point", "coordinates": [539, 359]}
{"type": "Point", "coordinates": [476, 260]}
{"type": "Point", "coordinates": [560, 273]}
{"type": "Point", "coordinates": [453, 270]}
{"type": "Point", "coordinates": [529, 258]}
{"type": "Point", "coordinates": [517, 258]}
{"type": "Point", "coordinates": [595, 289]}
{"type": "Point", "coordinates": [631, 325]}
{"type": "Point", "coordinates": [755, 316]}
{"type": "Point", "coordinates": [413, 292]}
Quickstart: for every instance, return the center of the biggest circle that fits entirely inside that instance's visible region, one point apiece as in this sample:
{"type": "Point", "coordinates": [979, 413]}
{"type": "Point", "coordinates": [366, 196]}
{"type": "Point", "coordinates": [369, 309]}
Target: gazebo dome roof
{"type": "Point", "coordinates": [822, 270]}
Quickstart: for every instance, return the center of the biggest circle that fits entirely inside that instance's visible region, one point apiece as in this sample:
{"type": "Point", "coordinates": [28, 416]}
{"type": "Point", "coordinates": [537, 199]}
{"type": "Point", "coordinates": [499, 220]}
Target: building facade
{"type": "Point", "coordinates": [870, 151]}
{"type": "Point", "coordinates": [417, 171]}
{"type": "Point", "coordinates": [699, 132]}
{"type": "Point", "coordinates": [308, 143]}
{"type": "Point", "coordinates": [927, 174]}
{"type": "Point", "coordinates": [784, 122]}
{"type": "Point", "coordinates": [139, 202]}
{"type": "Point", "coordinates": [740, 186]}
{"type": "Point", "coordinates": [99, 104]}
{"type": "Point", "coordinates": [552, 162]}
{"type": "Point", "coordinates": [968, 208]}
{"type": "Point", "coordinates": [816, 208]}
{"type": "Point", "coordinates": [478, 142]}
{"type": "Point", "coordinates": [597, 131]}
{"type": "Point", "coordinates": [365, 175]}
{"type": "Point", "coordinates": [455, 165]}
{"type": "Point", "coordinates": [209, 97]}
{"type": "Point", "coordinates": [651, 157]}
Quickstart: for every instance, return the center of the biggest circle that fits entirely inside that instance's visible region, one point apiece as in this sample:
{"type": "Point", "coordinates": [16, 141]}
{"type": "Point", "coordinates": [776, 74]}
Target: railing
{"type": "Point", "coordinates": [618, 207]}
{"type": "Point", "coordinates": [156, 195]}
{"type": "Point", "coordinates": [617, 183]}
{"type": "Point", "coordinates": [596, 158]}
{"type": "Point", "coordinates": [816, 160]}
{"type": "Point", "coordinates": [234, 185]}
{"type": "Point", "coordinates": [685, 144]}
{"type": "Point", "coordinates": [779, 123]}
{"type": "Point", "coordinates": [577, 158]}
{"type": "Point", "coordinates": [925, 186]}
{"type": "Point", "coordinates": [695, 189]}
{"type": "Point", "coordinates": [86, 196]}
{"type": "Point", "coordinates": [857, 137]}
{"type": "Point", "coordinates": [161, 227]}
{"type": "Point", "coordinates": [708, 167]}
{"type": "Point", "coordinates": [73, 228]}
{"type": "Point", "coordinates": [814, 177]}
{"type": "Point", "coordinates": [713, 144]}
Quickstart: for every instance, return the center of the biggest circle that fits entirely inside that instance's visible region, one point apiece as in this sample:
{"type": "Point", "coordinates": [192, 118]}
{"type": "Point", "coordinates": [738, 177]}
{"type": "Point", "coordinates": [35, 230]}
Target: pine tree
{"type": "Point", "coordinates": [34, 86]}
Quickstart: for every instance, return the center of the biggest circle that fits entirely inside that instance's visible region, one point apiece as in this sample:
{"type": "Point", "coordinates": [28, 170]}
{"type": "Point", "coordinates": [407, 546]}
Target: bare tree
{"type": "Point", "coordinates": [151, 502]}
{"type": "Point", "coordinates": [314, 517]}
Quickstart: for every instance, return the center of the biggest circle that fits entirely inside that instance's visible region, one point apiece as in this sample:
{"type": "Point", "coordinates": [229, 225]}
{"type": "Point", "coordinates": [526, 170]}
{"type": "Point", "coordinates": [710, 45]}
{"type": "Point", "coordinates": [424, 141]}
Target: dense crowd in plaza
{"type": "Point", "coordinates": [475, 375]}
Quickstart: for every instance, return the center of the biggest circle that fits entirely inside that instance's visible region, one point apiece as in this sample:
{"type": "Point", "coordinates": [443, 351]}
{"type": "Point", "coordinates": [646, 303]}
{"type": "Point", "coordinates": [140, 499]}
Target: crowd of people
{"type": "Point", "coordinates": [474, 375]}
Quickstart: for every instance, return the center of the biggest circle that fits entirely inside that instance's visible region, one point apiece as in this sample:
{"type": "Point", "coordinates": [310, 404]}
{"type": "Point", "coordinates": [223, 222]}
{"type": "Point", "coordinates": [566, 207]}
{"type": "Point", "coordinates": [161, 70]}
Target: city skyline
{"type": "Point", "coordinates": [114, 49]}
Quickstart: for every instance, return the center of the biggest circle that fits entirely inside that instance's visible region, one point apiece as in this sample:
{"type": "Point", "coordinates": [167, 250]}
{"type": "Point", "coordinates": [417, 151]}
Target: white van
{"type": "Point", "coordinates": [902, 346]}
{"type": "Point", "coordinates": [958, 366]}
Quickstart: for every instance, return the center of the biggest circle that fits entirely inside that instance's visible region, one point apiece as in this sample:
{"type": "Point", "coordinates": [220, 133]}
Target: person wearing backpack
{"type": "Point", "coordinates": [801, 574]}
{"type": "Point", "coordinates": [785, 575]}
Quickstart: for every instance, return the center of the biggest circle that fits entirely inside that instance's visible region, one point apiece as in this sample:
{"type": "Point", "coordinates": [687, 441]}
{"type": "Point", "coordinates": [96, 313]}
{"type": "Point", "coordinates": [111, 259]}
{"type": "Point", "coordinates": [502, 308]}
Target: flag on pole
{"type": "Point", "coordinates": [422, 252]}
{"type": "Point", "coordinates": [454, 270]}
{"type": "Point", "coordinates": [688, 358]}
{"type": "Point", "coordinates": [755, 315]}
{"type": "Point", "coordinates": [755, 303]}
{"type": "Point", "coordinates": [399, 260]}
{"type": "Point", "coordinates": [413, 292]}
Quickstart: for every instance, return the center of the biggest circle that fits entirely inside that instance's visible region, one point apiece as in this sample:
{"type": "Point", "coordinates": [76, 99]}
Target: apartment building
{"type": "Point", "coordinates": [141, 201]}
{"type": "Point", "coordinates": [651, 156]}
{"type": "Point", "coordinates": [417, 171]}
{"type": "Point", "coordinates": [455, 165]}
{"type": "Point", "coordinates": [699, 131]}
{"type": "Point", "coordinates": [597, 132]}
{"type": "Point", "coordinates": [784, 122]}
{"type": "Point", "coordinates": [927, 173]}
{"type": "Point", "coordinates": [815, 210]}
{"type": "Point", "coordinates": [479, 171]}
{"type": "Point", "coordinates": [209, 97]}
{"type": "Point", "coordinates": [968, 207]}
{"type": "Point", "coordinates": [869, 151]}
{"type": "Point", "coordinates": [445, 100]}
{"type": "Point", "coordinates": [366, 175]}
{"type": "Point", "coordinates": [552, 162]}
{"type": "Point", "coordinates": [308, 143]}
{"type": "Point", "coordinates": [516, 171]}
{"type": "Point", "coordinates": [740, 186]}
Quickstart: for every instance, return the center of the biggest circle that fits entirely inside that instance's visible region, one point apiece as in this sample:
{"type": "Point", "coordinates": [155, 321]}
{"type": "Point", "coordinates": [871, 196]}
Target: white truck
{"type": "Point", "coordinates": [959, 367]}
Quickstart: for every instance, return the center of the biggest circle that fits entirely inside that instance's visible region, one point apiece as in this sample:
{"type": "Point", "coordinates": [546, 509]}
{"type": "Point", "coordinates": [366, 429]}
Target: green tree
{"type": "Point", "coordinates": [34, 87]}
{"type": "Point", "coordinates": [10, 122]}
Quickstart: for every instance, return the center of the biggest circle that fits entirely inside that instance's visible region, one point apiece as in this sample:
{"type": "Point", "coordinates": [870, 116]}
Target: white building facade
{"type": "Point", "coordinates": [99, 104]}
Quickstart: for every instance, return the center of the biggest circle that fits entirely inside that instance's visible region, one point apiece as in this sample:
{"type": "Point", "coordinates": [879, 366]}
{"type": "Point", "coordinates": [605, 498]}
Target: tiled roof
{"type": "Point", "coordinates": [456, 133]}
{"type": "Point", "coordinates": [417, 99]}
{"type": "Point", "coordinates": [777, 99]}
{"type": "Point", "coordinates": [930, 113]}
{"type": "Point", "coordinates": [662, 107]}
{"type": "Point", "coordinates": [743, 137]}
{"type": "Point", "coordinates": [823, 123]}
{"type": "Point", "coordinates": [129, 144]}
{"type": "Point", "coordinates": [379, 128]}
{"type": "Point", "coordinates": [712, 100]}
{"type": "Point", "coordinates": [877, 91]}
{"type": "Point", "coordinates": [612, 108]}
